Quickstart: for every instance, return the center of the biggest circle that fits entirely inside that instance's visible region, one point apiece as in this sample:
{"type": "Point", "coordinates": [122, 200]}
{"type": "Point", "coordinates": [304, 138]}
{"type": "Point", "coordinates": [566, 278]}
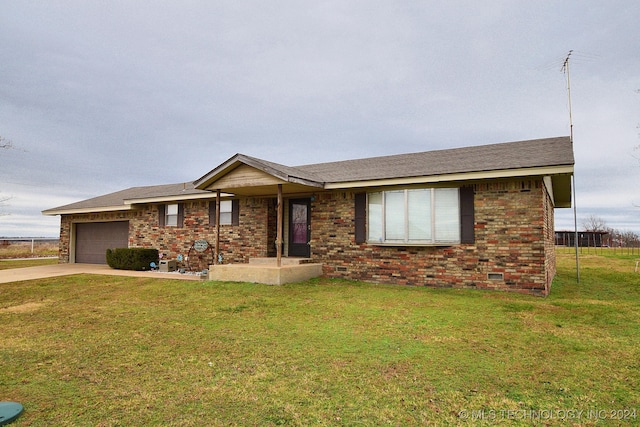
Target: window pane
{"type": "Point", "coordinates": [225, 218]}
{"type": "Point", "coordinates": [171, 217]}
{"type": "Point", "coordinates": [299, 224]}
{"type": "Point", "coordinates": [375, 217]}
{"type": "Point", "coordinates": [172, 209]}
{"type": "Point", "coordinates": [419, 214]}
{"type": "Point", "coordinates": [226, 206]}
{"type": "Point", "coordinates": [447, 215]}
{"type": "Point", "coordinates": [394, 215]}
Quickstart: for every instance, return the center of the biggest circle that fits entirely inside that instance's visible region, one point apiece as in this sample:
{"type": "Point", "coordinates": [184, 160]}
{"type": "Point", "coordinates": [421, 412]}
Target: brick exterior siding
{"type": "Point", "coordinates": [549, 242]}
{"type": "Point", "coordinates": [145, 231]}
{"type": "Point", "coordinates": [514, 236]}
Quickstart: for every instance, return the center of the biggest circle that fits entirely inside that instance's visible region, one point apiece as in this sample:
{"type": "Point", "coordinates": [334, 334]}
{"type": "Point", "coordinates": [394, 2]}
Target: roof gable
{"type": "Point", "coordinates": [242, 174]}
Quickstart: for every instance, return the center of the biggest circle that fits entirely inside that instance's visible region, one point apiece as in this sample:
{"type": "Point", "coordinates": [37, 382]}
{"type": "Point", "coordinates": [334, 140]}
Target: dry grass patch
{"type": "Point", "coordinates": [24, 249]}
{"type": "Point", "coordinates": [23, 308]}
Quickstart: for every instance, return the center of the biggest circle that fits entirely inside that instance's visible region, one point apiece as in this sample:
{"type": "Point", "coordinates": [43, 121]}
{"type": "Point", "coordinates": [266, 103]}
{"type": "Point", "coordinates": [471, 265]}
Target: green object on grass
{"type": "Point", "coordinates": [9, 411]}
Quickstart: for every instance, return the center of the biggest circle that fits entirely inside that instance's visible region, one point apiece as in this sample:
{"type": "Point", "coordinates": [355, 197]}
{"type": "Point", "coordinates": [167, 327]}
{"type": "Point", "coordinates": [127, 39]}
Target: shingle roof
{"type": "Point", "coordinates": [117, 199]}
{"type": "Point", "coordinates": [536, 153]}
{"type": "Point", "coordinates": [511, 155]}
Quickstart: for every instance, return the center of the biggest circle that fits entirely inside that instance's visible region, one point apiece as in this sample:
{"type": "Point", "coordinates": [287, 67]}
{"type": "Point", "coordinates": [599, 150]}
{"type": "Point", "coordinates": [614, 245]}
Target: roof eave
{"type": "Point", "coordinates": [95, 209]}
{"type": "Point", "coordinates": [203, 182]}
{"type": "Point", "coordinates": [173, 198]}
{"type": "Point", "coordinates": [303, 181]}
{"type": "Point", "coordinates": [453, 177]}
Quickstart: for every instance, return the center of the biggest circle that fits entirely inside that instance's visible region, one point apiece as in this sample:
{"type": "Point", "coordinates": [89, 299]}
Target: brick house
{"type": "Point", "coordinates": [476, 217]}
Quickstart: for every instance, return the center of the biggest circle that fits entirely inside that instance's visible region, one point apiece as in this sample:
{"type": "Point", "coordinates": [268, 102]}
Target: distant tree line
{"type": "Point", "coordinates": [614, 238]}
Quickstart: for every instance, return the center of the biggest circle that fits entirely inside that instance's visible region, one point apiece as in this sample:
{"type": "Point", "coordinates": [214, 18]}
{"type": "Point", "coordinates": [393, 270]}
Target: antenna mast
{"type": "Point", "coordinates": [565, 69]}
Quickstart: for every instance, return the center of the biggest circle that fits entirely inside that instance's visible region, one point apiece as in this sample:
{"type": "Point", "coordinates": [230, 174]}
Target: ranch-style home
{"type": "Point", "coordinates": [475, 217]}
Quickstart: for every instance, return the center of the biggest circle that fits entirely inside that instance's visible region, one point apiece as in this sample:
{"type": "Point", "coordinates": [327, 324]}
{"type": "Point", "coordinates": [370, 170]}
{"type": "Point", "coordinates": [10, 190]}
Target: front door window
{"type": "Point", "coordinates": [299, 230]}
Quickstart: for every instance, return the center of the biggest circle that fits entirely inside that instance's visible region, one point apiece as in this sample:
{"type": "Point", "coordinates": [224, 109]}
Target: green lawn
{"type": "Point", "coordinates": [95, 350]}
{"type": "Point", "coordinates": [6, 264]}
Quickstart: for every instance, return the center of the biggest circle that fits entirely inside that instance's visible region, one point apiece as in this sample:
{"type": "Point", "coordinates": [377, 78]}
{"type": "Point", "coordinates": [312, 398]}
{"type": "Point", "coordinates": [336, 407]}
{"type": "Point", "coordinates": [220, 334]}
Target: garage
{"type": "Point", "coordinates": [94, 238]}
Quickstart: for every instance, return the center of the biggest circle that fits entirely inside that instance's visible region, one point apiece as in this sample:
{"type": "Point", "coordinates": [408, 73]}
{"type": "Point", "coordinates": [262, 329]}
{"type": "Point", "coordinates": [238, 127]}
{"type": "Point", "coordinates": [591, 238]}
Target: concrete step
{"type": "Point", "coordinates": [268, 274]}
{"type": "Point", "coordinates": [272, 261]}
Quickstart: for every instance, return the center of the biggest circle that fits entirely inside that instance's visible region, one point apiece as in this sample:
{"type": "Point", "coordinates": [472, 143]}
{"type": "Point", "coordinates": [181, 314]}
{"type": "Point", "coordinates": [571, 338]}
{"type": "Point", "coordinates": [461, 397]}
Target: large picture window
{"type": "Point", "coordinates": [415, 216]}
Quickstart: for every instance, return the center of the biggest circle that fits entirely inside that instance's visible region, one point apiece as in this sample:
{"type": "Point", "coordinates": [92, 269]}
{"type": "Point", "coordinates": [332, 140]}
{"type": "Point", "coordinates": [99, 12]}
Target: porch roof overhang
{"type": "Point", "coordinates": [248, 176]}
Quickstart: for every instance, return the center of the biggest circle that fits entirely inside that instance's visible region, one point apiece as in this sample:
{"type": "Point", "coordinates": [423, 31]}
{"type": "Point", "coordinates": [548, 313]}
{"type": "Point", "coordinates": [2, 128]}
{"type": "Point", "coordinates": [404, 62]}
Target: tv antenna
{"type": "Point", "coordinates": [566, 70]}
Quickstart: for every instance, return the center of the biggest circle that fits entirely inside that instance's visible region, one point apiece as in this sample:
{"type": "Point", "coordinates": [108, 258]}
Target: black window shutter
{"type": "Point", "coordinates": [467, 218]}
{"type": "Point", "coordinates": [212, 213]}
{"type": "Point", "coordinates": [161, 215]}
{"type": "Point", "coordinates": [235, 212]}
{"type": "Point", "coordinates": [361, 217]}
{"type": "Point", "coordinates": [180, 214]}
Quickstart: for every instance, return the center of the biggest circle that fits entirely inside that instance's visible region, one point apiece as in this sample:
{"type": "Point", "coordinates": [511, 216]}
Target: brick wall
{"type": "Point", "coordinates": [66, 222]}
{"type": "Point", "coordinates": [237, 243]}
{"type": "Point", "coordinates": [549, 242]}
{"type": "Point", "coordinates": [513, 237]}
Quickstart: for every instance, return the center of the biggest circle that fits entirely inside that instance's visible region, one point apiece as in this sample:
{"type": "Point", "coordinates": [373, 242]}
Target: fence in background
{"type": "Point", "coordinates": [32, 244]}
{"type": "Point", "coordinates": [600, 250]}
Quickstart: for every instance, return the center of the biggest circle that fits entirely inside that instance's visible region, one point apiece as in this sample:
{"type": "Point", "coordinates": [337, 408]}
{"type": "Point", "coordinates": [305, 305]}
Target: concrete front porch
{"type": "Point", "coordinates": [265, 270]}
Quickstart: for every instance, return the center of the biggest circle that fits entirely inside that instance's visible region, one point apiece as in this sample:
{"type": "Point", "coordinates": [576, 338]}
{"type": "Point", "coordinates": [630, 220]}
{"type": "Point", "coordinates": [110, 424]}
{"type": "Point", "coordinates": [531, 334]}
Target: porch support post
{"type": "Point", "coordinates": [215, 255]}
{"type": "Point", "coordinates": [279, 232]}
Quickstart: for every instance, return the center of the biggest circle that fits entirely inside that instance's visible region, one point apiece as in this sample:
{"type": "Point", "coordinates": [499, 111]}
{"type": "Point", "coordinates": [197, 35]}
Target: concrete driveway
{"type": "Point", "coordinates": [55, 270]}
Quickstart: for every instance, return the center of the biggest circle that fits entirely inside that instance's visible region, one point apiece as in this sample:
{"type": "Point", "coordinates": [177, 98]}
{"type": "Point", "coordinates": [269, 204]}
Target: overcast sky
{"type": "Point", "coordinates": [98, 96]}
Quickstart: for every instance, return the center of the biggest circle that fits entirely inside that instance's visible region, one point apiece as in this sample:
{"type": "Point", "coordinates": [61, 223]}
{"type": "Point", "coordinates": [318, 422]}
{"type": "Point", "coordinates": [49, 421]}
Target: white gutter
{"type": "Point", "coordinates": [129, 204]}
{"type": "Point", "coordinates": [53, 212]}
{"type": "Point", "coordinates": [463, 176]}
{"type": "Point", "coordinates": [175, 198]}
